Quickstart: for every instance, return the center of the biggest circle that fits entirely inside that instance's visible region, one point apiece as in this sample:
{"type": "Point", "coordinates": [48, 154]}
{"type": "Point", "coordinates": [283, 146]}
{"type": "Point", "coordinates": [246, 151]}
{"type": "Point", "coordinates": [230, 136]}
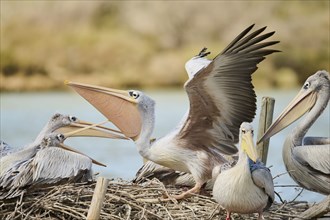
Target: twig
{"type": "Point", "coordinates": [128, 213]}
{"type": "Point", "coordinates": [286, 215]}
{"type": "Point", "coordinates": [213, 212]}
{"type": "Point", "coordinates": [71, 201]}
{"type": "Point", "coordinates": [278, 175]}
{"type": "Point", "coordinates": [278, 195]}
{"type": "Point", "coordinates": [168, 213]}
{"type": "Point", "coordinates": [286, 186]}
{"type": "Point", "coordinates": [302, 189]}
{"type": "Point", "coordinates": [135, 205]}
{"type": "Point", "coordinates": [143, 210]}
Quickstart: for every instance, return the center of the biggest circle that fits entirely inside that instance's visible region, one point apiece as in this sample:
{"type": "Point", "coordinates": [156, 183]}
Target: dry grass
{"type": "Point", "coordinates": [125, 200]}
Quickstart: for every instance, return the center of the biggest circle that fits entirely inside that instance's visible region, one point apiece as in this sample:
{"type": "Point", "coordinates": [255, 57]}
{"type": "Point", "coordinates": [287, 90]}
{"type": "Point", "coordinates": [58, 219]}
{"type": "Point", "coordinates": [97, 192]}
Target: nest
{"type": "Point", "coordinates": [125, 200]}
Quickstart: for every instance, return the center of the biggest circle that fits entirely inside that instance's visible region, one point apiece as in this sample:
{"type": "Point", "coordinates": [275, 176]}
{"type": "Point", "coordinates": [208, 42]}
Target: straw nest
{"type": "Point", "coordinates": [125, 200]}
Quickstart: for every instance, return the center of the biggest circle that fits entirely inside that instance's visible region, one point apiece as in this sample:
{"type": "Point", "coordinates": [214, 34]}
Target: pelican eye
{"type": "Point", "coordinates": [134, 94]}
{"type": "Point", "coordinates": [243, 131]}
{"type": "Point", "coordinates": [60, 137]}
{"type": "Point", "coordinates": [306, 85]}
{"type": "Point", "coordinates": [73, 118]}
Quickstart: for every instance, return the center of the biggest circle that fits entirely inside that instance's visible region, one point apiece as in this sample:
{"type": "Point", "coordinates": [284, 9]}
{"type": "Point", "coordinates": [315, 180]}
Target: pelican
{"type": "Point", "coordinates": [221, 97]}
{"type": "Point", "coordinates": [248, 186]}
{"type": "Point", "coordinates": [58, 123]}
{"type": "Point", "coordinates": [53, 163]}
{"type": "Point", "coordinates": [306, 158]}
{"type": "Point", "coordinates": [37, 164]}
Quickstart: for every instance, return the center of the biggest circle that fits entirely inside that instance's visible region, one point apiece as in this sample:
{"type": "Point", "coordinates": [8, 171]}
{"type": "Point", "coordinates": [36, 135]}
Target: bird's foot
{"type": "Point", "coordinates": [194, 190]}
{"type": "Point", "coordinates": [228, 216]}
{"type": "Point", "coordinates": [203, 52]}
{"type": "Point", "coordinates": [260, 216]}
{"type": "Point", "coordinates": [181, 196]}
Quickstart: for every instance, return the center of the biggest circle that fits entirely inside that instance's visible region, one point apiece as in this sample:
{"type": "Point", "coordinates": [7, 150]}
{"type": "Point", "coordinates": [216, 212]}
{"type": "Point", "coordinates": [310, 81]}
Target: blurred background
{"type": "Point", "coordinates": [144, 44]}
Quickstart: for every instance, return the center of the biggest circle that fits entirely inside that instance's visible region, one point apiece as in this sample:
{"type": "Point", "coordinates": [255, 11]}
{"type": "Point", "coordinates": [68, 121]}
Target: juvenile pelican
{"type": "Point", "coordinates": [248, 186]}
{"type": "Point", "coordinates": [306, 158]}
{"type": "Point", "coordinates": [53, 163]}
{"type": "Point", "coordinates": [60, 124]}
{"type": "Point", "coordinates": [37, 164]}
{"type": "Point", "coordinates": [221, 97]}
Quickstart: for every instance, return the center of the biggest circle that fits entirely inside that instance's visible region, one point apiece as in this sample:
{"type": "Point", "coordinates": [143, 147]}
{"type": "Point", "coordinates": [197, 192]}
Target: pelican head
{"type": "Point", "coordinates": [246, 141]}
{"type": "Point", "coordinates": [57, 139]}
{"type": "Point", "coordinates": [315, 89]}
{"type": "Point", "coordinates": [124, 108]}
{"type": "Point", "coordinates": [66, 123]}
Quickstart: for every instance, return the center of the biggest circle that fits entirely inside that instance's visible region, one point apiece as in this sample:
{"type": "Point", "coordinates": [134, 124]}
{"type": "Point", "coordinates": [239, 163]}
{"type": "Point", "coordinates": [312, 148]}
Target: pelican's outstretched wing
{"type": "Point", "coordinates": [222, 96]}
{"type": "Point", "coordinates": [315, 156]}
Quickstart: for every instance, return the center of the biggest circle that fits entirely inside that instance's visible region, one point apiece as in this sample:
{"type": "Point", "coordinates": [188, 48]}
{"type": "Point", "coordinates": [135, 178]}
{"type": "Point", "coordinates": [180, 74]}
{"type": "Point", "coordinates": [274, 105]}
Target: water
{"type": "Point", "coordinates": [23, 116]}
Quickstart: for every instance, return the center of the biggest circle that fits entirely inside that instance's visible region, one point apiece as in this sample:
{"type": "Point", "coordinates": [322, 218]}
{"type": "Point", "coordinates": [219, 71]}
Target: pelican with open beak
{"type": "Point", "coordinates": [248, 186]}
{"type": "Point", "coordinates": [48, 160]}
{"type": "Point", "coordinates": [306, 158]}
{"type": "Point", "coordinates": [58, 124]}
{"type": "Point", "coordinates": [221, 98]}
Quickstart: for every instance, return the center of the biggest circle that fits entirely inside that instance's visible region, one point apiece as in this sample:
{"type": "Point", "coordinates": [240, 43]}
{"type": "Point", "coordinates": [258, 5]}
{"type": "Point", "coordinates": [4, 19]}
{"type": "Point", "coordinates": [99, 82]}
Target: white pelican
{"type": "Point", "coordinates": [61, 124]}
{"type": "Point", "coordinates": [307, 159]}
{"type": "Point", "coordinates": [221, 97]}
{"type": "Point", "coordinates": [53, 163]}
{"type": "Point", "coordinates": [248, 186]}
{"type": "Point", "coordinates": [41, 163]}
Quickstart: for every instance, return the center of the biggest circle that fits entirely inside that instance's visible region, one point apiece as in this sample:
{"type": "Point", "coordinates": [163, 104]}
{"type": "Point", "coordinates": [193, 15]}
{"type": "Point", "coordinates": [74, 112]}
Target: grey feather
{"type": "Point", "coordinates": [47, 165]}
{"type": "Point", "coordinates": [166, 175]}
{"type": "Point", "coordinates": [263, 179]}
{"type": "Point", "coordinates": [316, 140]}
{"type": "Point", "coordinates": [315, 156]}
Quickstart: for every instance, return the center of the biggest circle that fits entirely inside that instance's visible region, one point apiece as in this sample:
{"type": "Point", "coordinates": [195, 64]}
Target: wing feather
{"type": "Point", "coordinates": [53, 164]}
{"type": "Point", "coordinates": [49, 166]}
{"type": "Point", "coordinates": [239, 37]}
{"type": "Point", "coordinates": [222, 96]}
{"type": "Point", "coordinates": [315, 156]}
{"type": "Point", "coordinates": [166, 175]}
{"type": "Point", "coordinates": [264, 180]}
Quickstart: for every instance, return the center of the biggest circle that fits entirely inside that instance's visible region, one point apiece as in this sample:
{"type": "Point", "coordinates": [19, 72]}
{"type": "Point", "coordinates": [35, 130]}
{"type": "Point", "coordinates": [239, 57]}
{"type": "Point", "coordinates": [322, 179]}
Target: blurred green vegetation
{"type": "Point", "coordinates": [146, 44]}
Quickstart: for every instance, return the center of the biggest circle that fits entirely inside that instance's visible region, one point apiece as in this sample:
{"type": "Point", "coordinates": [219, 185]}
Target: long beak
{"type": "Point", "coordinates": [76, 151]}
{"type": "Point", "coordinates": [116, 105]}
{"type": "Point", "coordinates": [302, 103]}
{"type": "Point", "coordinates": [84, 128]}
{"type": "Point", "coordinates": [248, 146]}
